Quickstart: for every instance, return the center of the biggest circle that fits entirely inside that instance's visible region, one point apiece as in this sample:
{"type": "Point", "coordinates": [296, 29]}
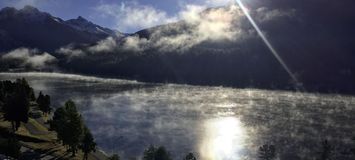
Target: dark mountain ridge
{"type": "Point", "coordinates": [28, 27]}
{"type": "Point", "coordinates": [319, 53]}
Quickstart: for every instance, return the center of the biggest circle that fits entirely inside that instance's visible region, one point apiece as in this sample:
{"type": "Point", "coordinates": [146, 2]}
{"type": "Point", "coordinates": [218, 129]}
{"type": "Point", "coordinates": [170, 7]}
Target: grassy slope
{"type": "Point", "coordinates": [46, 143]}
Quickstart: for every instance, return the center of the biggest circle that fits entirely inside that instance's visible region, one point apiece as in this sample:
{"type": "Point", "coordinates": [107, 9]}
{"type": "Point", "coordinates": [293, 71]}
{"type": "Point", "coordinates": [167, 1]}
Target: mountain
{"type": "Point", "coordinates": [81, 24]}
{"type": "Point", "coordinates": [217, 46]}
{"type": "Point", "coordinates": [29, 27]}
{"type": "Point", "coordinates": [221, 47]}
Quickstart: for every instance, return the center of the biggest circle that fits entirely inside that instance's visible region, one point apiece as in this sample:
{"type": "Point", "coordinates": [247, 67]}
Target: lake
{"type": "Point", "coordinates": [215, 123]}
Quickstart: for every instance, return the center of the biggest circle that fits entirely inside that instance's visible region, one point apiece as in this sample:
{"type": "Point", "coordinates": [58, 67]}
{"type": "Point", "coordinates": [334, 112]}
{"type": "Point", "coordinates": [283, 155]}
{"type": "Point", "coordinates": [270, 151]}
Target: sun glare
{"type": "Point", "coordinates": [224, 139]}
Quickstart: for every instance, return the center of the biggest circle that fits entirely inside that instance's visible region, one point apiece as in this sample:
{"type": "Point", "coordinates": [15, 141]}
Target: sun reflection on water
{"type": "Point", "coordinates": [224, 139]}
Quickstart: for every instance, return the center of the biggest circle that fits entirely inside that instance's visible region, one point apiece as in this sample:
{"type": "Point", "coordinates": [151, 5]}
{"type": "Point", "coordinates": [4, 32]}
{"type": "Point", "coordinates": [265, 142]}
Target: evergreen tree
{"type": "Point", "coordinates": [40, 98]}
{"type": "Point", "coordinates": [326, 151]}
{"type": "Point", "coordinates": [10, 147]}
{"type": "Point", "coordinates": [153, 153]}
{"type": "Point", "coordinates": [28, 90]}
{"type": "Point", "coordinates": [352, 149]}
{"type": "Point", "coordinates": [267, 152]}
{"type": "Point", "coordinates": [47, 104]}
{"type": "Point", "coordinates": [40, 101]}
{"type": "Point", "coordinates": [58, 123]}
{"type": "Point", "coordinates": [16, 106]}
{"type": "Point", "coordinates": [2, 94]}
{"type": "Point", "coordinates": [74, 126]}
{"type": "Point", "coordinates": [32, 95]}
{"type": "Point", "coordinates": [162, 154]}
{"type": "Point", "coordinates": [190, 156]}
{"type": "Point", "coordinates": [114, 157]}
{"type": "Point", "coordinates": [7, 87]}
{"type": "Point", "coordinates": [149, 153]}
{"type": "Point", "coordinates": [68, 124]}
{"type": "Point", "coordinates": [44, 103]}
{"type": "Point", "coordinates": [87, 143]}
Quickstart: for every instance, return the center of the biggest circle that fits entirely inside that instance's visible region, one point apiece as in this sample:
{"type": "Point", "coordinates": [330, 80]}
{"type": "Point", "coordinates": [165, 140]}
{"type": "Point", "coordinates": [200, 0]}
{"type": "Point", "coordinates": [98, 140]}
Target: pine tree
{"type": "Point", "coordinates": [28, 90]}
{"type": "Point", "coordinates": [2, 93]}
{"type": "Point", "coordinates": [114, 157]}
{"type": "Point", "coordinates": [190, 156]}
{"type": "Point", "coordinates": [74, 126]}
{"type": "Point", "coordinates": [44, 102]}
{"type": "Point", "coordinates": [267, 152]}
{"type": "Point", "coordinates": [149, 153]}
{"type": "Point", "coordinates": [87, 143]}
{"type": "Point", "coordinates": [68, 124]}
{"type": "Point", "coordinates": [153, 153]}
{"type": "Point", "coordinates": [47, 104]}
{"type": "Point", "coordinates": [40, 100]}
{"type": "Point", "coordinates": [16, 105]}
{"type": "Point", "coordinates": [326, 151]}
{"type": "Point", "coordinates": [58, 123]}
{"type": "Point", "coordinates": [162, 154]}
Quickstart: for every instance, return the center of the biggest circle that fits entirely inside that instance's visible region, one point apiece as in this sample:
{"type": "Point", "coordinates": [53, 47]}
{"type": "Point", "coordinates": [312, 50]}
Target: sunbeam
{"type": "Point", "coordinates": [269, 45]}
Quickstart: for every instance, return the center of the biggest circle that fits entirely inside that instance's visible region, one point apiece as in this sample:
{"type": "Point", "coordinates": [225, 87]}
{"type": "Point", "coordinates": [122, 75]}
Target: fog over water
{"type": "Point", "coordinates": [213, 122]}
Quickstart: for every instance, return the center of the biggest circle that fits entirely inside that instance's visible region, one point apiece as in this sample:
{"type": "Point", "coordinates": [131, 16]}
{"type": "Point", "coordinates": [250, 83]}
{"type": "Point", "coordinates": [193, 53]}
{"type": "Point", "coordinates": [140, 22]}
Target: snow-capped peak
{"type": "Point", "coordinates": [82, 24]}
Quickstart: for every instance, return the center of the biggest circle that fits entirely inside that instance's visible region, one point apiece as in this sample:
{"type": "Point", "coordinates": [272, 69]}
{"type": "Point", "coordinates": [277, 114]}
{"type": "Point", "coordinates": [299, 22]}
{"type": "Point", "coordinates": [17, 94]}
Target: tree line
{"type": "Point", "coordinates": [15, 100]}
{"type": "Point", "coordinates": [327, 151]}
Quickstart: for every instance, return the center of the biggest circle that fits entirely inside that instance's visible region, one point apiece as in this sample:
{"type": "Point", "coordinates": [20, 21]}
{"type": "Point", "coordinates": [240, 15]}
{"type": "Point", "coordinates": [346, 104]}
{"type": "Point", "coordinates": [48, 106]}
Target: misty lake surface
{"type": "Point", "coordinates": [215, 123]}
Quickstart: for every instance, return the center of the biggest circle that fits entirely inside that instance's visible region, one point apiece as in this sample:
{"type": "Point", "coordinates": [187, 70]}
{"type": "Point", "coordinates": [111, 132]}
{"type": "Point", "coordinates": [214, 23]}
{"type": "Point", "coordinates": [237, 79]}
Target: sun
{"type": "Point", "coordinates": [224, 139]}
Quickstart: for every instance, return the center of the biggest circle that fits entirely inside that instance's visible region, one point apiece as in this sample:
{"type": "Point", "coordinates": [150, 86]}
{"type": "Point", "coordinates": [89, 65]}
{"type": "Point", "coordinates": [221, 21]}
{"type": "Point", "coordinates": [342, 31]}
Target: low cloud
{"type": "Point", "coordinates": [133, 15]}
{"type": "Point", "coordinates": [198, 25]}
{"type": "Point", "coordinates": [265, 14]}
{"type": "Point", "coordinates": [71, 77]}
{"type": "Point", "coordinates": [30, 58]}
{"type": "Point", "coordinates": [223, 24]}
{"type": "Point", "coordinates": [191, 26]}
{"type": "Point", "coordinates": [213, 24]}
{"type": "Point", "coordinates": [219, 2]}
{"type": "Point", "coordinates": [105, 45]}
{"type": "Point", "coordinates": [70, 52]}
{"type": "Point", "coordinates": [134, 43]}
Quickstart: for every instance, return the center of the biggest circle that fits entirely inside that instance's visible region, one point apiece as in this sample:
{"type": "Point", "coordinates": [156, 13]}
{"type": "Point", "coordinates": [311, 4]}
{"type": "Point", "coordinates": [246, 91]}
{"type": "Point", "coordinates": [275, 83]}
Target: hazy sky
{"type": "Point", "coordinates": [124, 15]}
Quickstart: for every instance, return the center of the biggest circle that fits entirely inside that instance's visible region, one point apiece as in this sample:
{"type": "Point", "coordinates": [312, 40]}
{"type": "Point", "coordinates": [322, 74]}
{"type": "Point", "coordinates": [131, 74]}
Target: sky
{"type": "Point", "coordinates": [123, 15]}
